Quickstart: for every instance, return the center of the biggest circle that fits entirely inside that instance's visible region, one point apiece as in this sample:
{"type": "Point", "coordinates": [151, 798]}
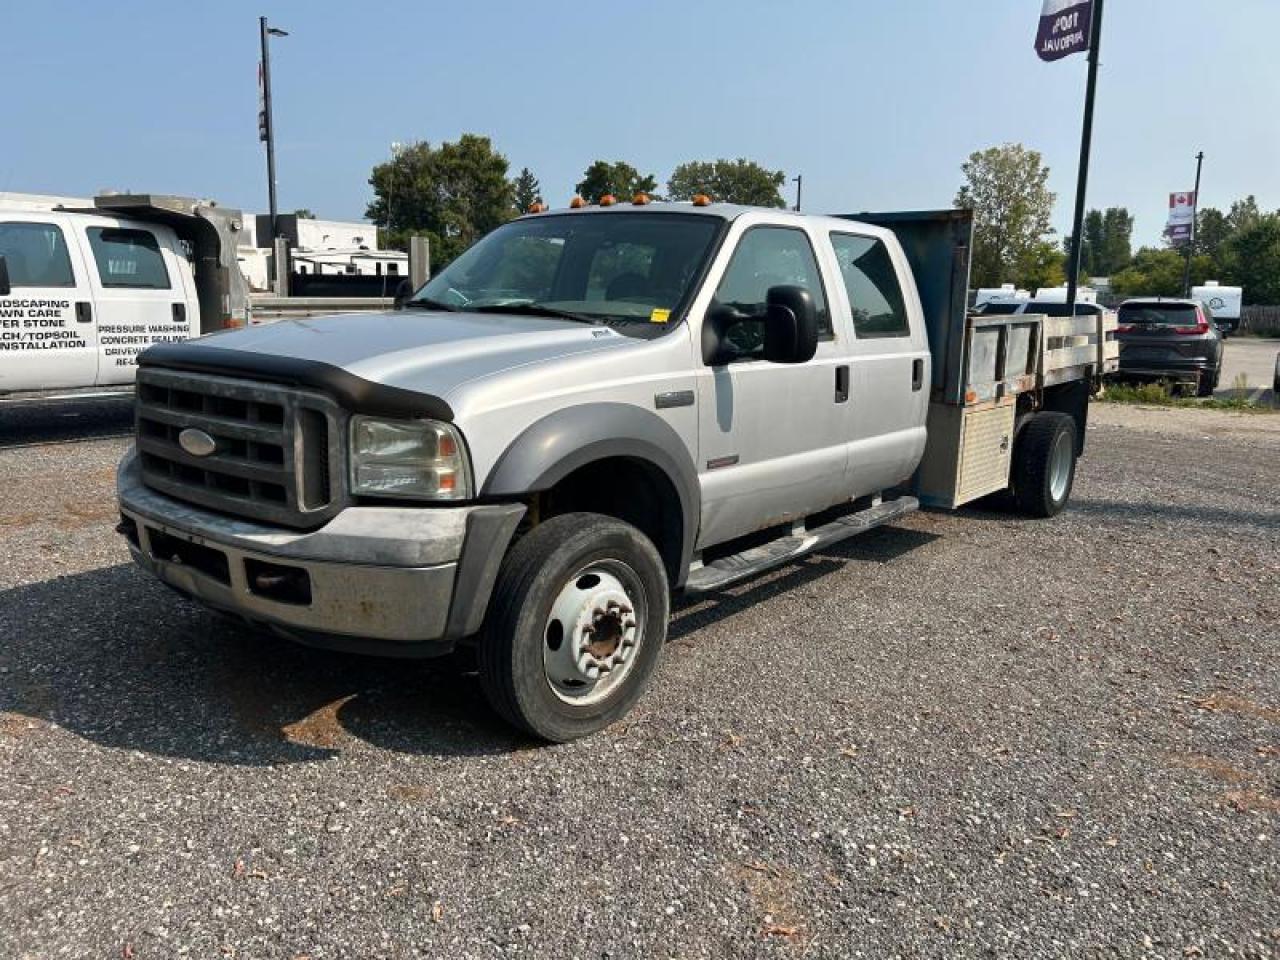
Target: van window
{"type": "Point", "coordinates": [128, 258]}
{"type": "Point", "coordinates": [36, 255]}
{"type": "Point", "coordinates": [872, 284]}
{"type": "Point", "coordinates": [769, 257]}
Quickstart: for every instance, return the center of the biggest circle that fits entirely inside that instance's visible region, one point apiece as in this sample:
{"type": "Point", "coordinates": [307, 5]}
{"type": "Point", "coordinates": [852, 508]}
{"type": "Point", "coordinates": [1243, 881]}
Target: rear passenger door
{"type": "Point", "coordinates": [889, 359]}
{"type": "Point", "coordinates": [48, 338]}
{"type": "Point", "coordinates": [140, 291]}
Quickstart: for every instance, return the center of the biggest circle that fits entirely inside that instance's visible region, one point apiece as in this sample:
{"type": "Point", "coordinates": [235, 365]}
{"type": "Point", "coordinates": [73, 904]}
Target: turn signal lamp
{"type": "Point", "coordinates": [701, 200]}
{"type": "Point", "coordinates": [576, 203]}
{"type": "Point", "coordinates": [608, 200]}
{"type": "Point", "coordinates": [640, 199]}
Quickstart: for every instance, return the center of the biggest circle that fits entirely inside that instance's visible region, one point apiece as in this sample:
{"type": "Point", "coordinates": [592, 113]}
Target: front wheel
{"type": "Point", "coordinates": [1044, 464]}
{"type": "Point", "coordinates": [575, 626]}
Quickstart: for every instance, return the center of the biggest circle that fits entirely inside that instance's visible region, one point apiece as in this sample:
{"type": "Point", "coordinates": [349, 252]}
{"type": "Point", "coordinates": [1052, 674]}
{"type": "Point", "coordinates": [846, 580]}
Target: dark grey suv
{"type": "Point", "coordinates": [1168, 339]}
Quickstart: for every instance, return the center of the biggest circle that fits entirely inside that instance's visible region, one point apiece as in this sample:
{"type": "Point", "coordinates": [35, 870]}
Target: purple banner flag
{"type": "Point", "coordinates": [1064, 28]}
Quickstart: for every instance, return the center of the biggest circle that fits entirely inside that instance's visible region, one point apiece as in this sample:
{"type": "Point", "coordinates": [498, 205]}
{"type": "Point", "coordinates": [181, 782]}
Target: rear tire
{"type": "Point", "coordinates": [1208, 383]}
{"type": "Point", "coordinates": [1044, 464]}
{"type": "Point", "coordinates": [578, 595]}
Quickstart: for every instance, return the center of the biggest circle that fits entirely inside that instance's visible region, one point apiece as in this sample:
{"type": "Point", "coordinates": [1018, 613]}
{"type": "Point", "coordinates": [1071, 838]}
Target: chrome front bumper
{"type": "Point", "coordinates": [401, 581]}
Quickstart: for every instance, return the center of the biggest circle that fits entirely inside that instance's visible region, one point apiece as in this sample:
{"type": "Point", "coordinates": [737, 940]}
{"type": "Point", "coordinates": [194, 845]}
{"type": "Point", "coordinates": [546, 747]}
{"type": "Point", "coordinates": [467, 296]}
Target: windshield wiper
{"type": "Point", "coordinates": [538, 310]}
{"type": "Point", "coordinates": [424, 303]}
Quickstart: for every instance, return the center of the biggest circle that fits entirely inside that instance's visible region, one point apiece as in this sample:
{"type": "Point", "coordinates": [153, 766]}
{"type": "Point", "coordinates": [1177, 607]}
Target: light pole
{"type": "Point", "coordinates": [799, 182]}
{"type": "Point", "coordinates": [266, 128]}
{"type": "Point", "coordinates": [1191, 240]}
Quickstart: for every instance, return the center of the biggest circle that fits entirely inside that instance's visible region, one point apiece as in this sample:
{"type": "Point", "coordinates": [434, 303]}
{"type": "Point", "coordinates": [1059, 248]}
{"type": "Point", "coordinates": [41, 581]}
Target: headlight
{"type": "Point", "coordinates": [416, 459]}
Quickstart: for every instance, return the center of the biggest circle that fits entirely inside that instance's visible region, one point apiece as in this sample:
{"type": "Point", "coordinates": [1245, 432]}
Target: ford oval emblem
{"type": "Point", "coordinates": [197, 442]}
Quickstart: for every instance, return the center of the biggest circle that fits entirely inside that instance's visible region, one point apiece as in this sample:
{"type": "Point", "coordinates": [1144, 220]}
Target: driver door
{"type": "Point", "coordinates": [772, 437]}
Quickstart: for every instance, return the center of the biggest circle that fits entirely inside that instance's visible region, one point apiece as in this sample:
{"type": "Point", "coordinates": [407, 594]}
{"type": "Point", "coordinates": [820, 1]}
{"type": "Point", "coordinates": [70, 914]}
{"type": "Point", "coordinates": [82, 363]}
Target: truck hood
{"type": "Point", "coordinates": [416, 350]}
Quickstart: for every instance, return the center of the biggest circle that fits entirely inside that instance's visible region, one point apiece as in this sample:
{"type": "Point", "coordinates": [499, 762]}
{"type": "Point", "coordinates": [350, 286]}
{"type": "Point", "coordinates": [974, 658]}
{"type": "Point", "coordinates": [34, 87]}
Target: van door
{"type": "Point", "coordinates": [890, 362]}
{"type": "Point", "coordinates": [48, 335]}
{"type": "Point", "coordinates": [773, 437]}
{"type": "Point", "coordinates": [140, 292]}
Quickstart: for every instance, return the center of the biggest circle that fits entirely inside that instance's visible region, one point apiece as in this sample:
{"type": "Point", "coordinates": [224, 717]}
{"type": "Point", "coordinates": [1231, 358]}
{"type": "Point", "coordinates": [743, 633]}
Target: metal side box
{"type": "Point", "coordinates": [968, 452]}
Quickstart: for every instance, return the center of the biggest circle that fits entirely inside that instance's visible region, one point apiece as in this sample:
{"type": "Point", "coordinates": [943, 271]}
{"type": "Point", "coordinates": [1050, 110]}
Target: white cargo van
{"type": "Point", "coordinates": [1223, 302]}
{"type": "Point", "coordinates": [83, 291]}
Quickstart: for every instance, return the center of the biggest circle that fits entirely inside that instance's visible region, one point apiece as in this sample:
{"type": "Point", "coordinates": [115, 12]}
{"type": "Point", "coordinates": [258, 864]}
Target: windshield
{"type": "Point", "coordinates": [1054, 308]}
{"type": "Point", "coordinates": [998, 307]}
{"type": "Point", "coordinates": [632, 270]}
{"type": "Point", "coordinates": [1159, 314]}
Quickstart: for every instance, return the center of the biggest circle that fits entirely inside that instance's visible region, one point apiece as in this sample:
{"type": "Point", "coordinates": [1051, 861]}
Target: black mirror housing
{"type": "Point", "coordinates": [790, 326]}
{"type": "Point", "coordinates": [5, 288]}
{"type": "Point", "coordinates": [404, 291]}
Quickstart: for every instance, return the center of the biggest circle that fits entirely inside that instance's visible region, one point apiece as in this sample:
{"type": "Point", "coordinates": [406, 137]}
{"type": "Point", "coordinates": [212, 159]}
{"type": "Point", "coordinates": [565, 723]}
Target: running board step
{"type": "Point", "coordinates": [740, 566]}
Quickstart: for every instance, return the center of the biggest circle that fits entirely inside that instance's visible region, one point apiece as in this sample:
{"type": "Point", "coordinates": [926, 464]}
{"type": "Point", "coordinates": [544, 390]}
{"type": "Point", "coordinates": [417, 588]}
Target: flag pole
{"type": "Point", "coordinates": [1086, 138]}
{"type": "Point", "coordinates": [1191, 240]}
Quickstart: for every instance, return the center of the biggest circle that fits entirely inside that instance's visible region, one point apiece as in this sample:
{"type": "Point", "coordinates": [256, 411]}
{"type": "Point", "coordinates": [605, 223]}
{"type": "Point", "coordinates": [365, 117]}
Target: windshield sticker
{"type": "Point", "coordinates": [659, 315]}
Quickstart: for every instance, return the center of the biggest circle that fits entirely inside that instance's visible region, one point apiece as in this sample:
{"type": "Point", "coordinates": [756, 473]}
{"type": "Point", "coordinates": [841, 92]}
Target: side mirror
{"type": "Point", "coordinates": [4, 278]}
{"type": "Point", "coordinates": [404, 291]}
{"type": "Point", "coordinates": [790, 325]}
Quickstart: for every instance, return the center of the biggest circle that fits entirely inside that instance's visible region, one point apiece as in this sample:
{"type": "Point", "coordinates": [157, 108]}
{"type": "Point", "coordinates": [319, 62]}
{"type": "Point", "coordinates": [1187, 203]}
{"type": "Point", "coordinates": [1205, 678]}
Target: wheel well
{"type": "Point", "coordinates": [634, 491]}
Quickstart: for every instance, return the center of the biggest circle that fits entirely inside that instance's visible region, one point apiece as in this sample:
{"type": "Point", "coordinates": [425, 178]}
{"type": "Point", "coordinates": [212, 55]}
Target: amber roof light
{"type": "Point", "coordinates": [640, 199]}
{"type": "Point", "coordinates": [576, 203]}
{"type": "Point", "coordinates": [537, 207]}
{"type": "Point", "coordinates": [701, 200]}
{"type": "Point", "coordinates": [608, 200]}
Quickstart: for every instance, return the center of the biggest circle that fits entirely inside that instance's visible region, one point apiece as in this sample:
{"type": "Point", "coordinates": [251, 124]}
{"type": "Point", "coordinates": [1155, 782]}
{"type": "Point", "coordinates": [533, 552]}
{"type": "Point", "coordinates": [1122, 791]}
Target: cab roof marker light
{"type": "Point", "coordinates": [577, 203]}
{"type": "Point", "coordinates": [537, 207]}
{"type": "Point", "coordinates": [701, 200]}
{"type": "Point", "coordinates": [608, 200]}
{"type": "Point", "coordinates": [640, 199]}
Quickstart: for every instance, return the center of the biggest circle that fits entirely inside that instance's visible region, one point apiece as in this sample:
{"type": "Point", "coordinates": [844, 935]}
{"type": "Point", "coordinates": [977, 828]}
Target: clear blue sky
{"type": "Point", "coordinates": [876, 102]}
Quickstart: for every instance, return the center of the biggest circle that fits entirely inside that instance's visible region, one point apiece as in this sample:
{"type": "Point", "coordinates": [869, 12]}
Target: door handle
{"type": "Point", "coordinates": [842, 384]}
{"type": "Point", "coordinates": [84, 311]}
{"type": "Point", "coordinates": [179, 313]}
{"type": "Point", "coordinates": [917, 374]}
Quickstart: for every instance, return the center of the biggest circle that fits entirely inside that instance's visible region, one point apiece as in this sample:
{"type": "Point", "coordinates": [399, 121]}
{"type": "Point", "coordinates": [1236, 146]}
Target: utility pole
{"type": "Point", "coordinates": [266, 128]}
{"type": "Point", "coordinates": [1191, 241]}
{"type": "Point", "coordinates": [1086, 137]}
{"type": "Point", "coordinates": [799, 182]}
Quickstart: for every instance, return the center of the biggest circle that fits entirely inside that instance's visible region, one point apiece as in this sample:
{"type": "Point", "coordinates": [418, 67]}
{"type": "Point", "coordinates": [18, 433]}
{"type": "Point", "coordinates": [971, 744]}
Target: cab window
{"type": "Point", "coordinates": [872, 285]}
{"type": "Point", "coordinates": [768, 257]}
{"type": "Point", "coordinates": [128, 258]}
{"type": "Point", "coordinates": [36, 255]}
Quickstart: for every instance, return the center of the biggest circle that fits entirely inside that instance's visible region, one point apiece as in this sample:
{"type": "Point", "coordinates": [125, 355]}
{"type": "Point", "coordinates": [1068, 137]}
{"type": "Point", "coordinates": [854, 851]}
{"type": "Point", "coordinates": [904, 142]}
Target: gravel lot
{"type": "Point", "coordinates": [967, 735]}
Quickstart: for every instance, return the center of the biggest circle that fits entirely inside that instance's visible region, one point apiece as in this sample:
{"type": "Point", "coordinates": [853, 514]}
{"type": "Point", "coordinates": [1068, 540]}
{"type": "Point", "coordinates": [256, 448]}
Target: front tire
{"type": "Point", "coordinates": [1044, 464]}
{"type": "Point", "coordinates": [575, 626]}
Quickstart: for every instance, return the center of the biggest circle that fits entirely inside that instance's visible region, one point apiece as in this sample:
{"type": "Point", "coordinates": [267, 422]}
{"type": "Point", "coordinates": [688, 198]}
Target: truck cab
{"type": "Point", "coordinates": [586, 411]}
{"type": "Point", "coordinates": [83, 291]}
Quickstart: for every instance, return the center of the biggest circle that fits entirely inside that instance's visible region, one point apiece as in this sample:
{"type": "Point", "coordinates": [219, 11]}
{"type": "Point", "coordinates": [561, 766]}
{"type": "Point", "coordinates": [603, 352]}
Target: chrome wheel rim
{"type": "Point", "coordinates": [593, 634]}
{"type": "Point", "coordinates": [1060, 467]}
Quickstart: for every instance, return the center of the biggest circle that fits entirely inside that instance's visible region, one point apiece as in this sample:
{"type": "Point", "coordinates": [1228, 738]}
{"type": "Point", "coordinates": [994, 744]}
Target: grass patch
{"type": "Point", "coordinates": [1163, 394]}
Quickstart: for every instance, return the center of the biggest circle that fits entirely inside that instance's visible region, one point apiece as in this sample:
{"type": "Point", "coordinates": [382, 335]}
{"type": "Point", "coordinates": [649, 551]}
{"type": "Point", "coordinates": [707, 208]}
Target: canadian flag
{"type": "Point", "coordinates": [1182, 214]}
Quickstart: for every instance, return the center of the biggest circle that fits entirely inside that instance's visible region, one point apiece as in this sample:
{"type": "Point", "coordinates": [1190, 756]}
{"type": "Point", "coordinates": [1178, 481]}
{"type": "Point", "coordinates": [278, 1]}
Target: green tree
{"type": "Point", "coordinates": [1254, 260]}
{"type": "Point", "coordinates": [1212, 232]}
{"type": "Point", "coordinates": [527, 190]}
{"type": "Point", "coordinates": [618, 178]}
{"type": "Point", "coordinates": [1157, 272]}
{"type": "Point", "coordinates": [304, 213]}
{"type": "Point", "coordinates": [729, 181]}
{"type": "Point", "coordinates": [1244, 214]}
{"type": "Point", "coordinates": [1042, 265]}
{"type": "Point", "coordinates": [454, 194]}
{"type": "Point", "coordinates": [1007, 189]}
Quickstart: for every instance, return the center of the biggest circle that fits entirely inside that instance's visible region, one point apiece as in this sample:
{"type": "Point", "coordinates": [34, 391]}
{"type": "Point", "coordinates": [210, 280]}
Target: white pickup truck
{"type": "Point", "coordinates": [83, 291]}
{"type": "Point", "coordinates": [586, 411]}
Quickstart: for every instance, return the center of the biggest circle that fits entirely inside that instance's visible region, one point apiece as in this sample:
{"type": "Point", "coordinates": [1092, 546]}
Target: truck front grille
{"type": "Point", "coordinates": [277, 453]}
